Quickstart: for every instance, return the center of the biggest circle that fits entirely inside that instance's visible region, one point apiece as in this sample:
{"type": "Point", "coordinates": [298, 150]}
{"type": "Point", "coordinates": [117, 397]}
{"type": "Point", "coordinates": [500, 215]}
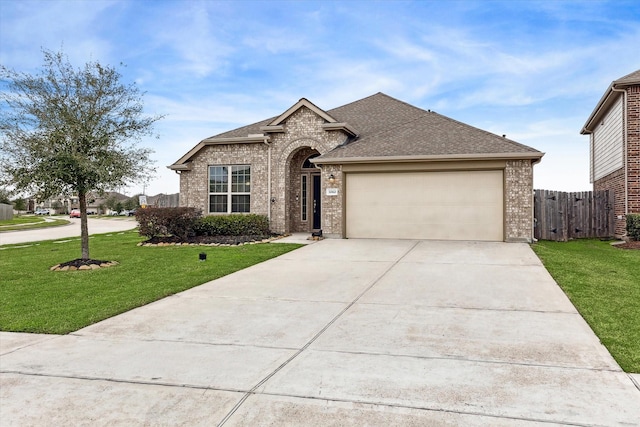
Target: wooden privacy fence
{"type": "Point", "coordinates": [562, 216]}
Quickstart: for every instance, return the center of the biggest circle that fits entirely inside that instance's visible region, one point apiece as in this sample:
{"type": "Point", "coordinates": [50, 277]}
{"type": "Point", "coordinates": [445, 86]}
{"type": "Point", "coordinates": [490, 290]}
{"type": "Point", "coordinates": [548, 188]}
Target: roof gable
{"type": "Point", "coordinates": [295, 107]}
{"type": "Point", "coordinates": [608, 99]}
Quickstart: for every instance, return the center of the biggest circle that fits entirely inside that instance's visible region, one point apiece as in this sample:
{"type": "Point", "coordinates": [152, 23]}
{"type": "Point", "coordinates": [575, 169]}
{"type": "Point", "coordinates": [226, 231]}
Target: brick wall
{"type": "Point", "coordinates": [303, 135]}
{"type": "Point", "coordinates": [615, 182]}
{"type": "Point", "coordinates": [518, 179]}
{"type": "Point", "coordinates": [332, 205]}
{"type": "Point", "coordinates": [633, 147]}
{"type": "Point", "coordinates": [194, 184]}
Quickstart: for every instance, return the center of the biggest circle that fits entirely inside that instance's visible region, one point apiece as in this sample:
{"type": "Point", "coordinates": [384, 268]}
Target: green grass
{"type": "Point", "coordinates": [604, 284]}
{"type": "Point", "coordinates": [35, 299]}
{"type": "Point", "coordinates": [29, 222]}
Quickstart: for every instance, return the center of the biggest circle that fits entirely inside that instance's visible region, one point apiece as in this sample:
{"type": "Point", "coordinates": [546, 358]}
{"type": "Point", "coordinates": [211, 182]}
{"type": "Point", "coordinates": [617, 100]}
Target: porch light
{"type": "Point", "coordinates": [332, 179]}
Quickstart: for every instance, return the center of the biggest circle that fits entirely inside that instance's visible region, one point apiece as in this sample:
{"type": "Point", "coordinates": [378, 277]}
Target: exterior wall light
{"type": "Point", "coordinates": [332, 179]}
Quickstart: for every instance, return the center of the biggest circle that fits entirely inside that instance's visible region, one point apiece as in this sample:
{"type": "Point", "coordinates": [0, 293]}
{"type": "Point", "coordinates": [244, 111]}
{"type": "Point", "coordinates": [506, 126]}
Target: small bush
{"type": "Point", "coordinates": [179, 222]}
{"type": "Point", "coordinates": [232, 225]}
{"type": "Point", "coordinates": [633, 226]}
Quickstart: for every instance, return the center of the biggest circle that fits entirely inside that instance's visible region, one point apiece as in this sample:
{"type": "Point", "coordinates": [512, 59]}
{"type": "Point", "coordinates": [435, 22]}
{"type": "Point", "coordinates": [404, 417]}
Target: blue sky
{"type": "Point", "coordinates": [533, 70]}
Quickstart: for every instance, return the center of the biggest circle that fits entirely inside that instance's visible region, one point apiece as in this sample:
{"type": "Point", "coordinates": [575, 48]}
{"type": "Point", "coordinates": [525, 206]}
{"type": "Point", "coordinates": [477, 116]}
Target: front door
{"type": "Point", "coordinates": [316, 202]}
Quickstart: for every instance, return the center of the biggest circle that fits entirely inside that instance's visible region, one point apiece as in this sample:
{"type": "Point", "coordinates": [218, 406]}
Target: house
{"type": "Point", "coordinates": [96, 203]}
{"type": "Point", "coordinates": [374, 168]}
{"type": "Point", "coordinates": [614, 135]}
{"type": "Point", "coordinates": [163, 200]}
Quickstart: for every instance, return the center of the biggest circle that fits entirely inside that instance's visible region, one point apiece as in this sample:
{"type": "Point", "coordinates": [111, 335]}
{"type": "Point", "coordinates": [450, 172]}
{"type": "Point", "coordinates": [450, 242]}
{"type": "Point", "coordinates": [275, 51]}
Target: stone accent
{"type": "Point", "coordinates": [518, 200]}
{"type": "Point", "coordinates": [89, 267]}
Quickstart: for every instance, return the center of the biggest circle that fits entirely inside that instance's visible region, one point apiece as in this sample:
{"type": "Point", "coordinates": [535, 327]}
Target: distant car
{"type": "Point", "coordinates": [126, 212]}
{"type": "Point", "coordinates": [42, 212]}
{"type": "Point", "coordinates": [75, 213]}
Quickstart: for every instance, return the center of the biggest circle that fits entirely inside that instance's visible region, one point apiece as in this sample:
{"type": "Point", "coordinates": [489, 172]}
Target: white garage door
{"type": "Point", "coordinates": [460, 205]}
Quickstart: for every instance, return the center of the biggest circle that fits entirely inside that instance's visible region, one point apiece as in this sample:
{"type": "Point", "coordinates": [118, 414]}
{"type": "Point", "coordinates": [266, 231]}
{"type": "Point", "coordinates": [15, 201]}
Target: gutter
{"type": "Point", "coordinates": [438, 157]}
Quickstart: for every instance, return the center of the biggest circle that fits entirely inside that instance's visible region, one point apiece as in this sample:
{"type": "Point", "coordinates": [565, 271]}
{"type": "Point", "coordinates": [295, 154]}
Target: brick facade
{"type": "Point", "coordinates": [615, 181]}
{"type": "Point", "coordinates": [633, 147]}
{"type": "Point", "coordinates": [301, 136]}
{"type": "Point", "coordinates": [518, 201]}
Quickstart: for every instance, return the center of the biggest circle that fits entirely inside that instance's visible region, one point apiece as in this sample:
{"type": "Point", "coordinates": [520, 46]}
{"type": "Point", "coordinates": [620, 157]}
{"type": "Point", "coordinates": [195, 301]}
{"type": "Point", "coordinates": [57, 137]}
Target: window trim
{"type": "Point", "coordinates": [229, 193]}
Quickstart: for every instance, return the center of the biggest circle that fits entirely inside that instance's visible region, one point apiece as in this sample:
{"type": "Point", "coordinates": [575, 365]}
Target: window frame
{"type": "Point", "coordinates": [236, 175]}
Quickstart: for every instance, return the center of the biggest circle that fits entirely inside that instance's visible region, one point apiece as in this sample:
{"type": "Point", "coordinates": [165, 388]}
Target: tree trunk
{"type": "Point", "coordinates": [84, 228]}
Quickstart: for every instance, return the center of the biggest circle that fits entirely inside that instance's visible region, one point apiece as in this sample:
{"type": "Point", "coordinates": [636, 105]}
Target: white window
{"type": "Point", "coordinates": [230, 189]}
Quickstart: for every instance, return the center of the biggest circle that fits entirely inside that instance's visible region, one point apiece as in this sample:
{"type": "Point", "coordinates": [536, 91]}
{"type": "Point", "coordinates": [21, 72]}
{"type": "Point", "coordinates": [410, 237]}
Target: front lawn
{"type": "Point", "coordinates": [604, 284]}
{"type": "Point", "coordinates": [34, 299]}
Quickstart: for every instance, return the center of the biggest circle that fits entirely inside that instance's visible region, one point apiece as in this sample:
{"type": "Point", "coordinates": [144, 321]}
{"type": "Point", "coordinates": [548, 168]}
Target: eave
{"type": "Point", "coordinates": [608, 99]}
{"type": "Point", "coordinates": [535, 156]}
{"type": "Point", "coordinates": [251, 139]}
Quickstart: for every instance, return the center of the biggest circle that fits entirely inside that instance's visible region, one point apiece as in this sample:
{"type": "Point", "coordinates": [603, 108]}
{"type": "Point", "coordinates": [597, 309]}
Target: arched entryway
{"type": "Point", "coordinates": [305, 208]}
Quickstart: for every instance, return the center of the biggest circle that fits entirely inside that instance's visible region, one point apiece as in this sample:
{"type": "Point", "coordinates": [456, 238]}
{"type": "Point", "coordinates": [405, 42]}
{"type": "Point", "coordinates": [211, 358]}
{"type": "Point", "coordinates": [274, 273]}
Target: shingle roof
{"type": "Point", "coordinates": [389, 127]}
{"type": "Point", "coordinates": [631, 78]}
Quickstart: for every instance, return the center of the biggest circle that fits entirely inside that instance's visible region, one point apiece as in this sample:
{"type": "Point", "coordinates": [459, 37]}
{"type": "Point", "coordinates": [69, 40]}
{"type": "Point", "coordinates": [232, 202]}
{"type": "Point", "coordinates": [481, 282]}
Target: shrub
{"type": "Point", "coordinates": [232, 225]}
{"type": "Point", "coordinates": [633, 226]}
{"type": "Point", "coordinates": [179, 222]}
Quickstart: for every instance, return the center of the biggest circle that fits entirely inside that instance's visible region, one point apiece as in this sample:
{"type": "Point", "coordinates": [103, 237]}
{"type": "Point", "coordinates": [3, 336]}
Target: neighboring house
{"type": "Point", "coordinates": [164, 200]}
{"type": "Point", "coordinates": [614, 132]}
{"type": "Point", "coordinates": [374, 168]}
{"type": "Point", "coordinates": [64, 204]}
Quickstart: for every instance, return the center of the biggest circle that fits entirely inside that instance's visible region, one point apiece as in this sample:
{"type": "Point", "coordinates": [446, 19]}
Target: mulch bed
{"type": "Point", "coordinates": [633, 244]}
{"type": "Point", "coordinates": [207, 240]}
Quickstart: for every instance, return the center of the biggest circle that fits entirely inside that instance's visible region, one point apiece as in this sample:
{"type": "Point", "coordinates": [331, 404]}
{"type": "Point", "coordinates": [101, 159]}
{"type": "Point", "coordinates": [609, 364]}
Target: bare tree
{"type": "Point", "coordinates": [71, 130]}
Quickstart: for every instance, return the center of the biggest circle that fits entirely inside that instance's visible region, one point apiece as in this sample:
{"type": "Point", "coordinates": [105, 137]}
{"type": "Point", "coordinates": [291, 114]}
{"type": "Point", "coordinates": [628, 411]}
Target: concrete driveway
{"type": "Point", "coordinates": [342, 332]}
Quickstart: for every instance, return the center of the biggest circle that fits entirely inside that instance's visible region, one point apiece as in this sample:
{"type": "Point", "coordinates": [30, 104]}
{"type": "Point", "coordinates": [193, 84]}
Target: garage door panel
{"type": "Point", "coordinates": [460, 205]}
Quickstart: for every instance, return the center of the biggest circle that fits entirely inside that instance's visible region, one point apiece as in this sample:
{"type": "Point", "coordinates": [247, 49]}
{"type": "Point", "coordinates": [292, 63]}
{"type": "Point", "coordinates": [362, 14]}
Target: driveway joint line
{"type": "Point", "coordinates": [472, 308]}
{"type": "Point", "coordinates": [123, 381]}
{"type": "Point", "coordinates": [316, 336]}
{"type": "Point", "coordinates": [427, 408]}
{"type": "Point", "coordinates": [462, 359]}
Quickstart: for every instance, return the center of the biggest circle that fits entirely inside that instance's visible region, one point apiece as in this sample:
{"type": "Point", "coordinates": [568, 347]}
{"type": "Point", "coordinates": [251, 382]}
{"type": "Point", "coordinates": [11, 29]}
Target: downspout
{"type": "Point", "coordinates": [625, 132]}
